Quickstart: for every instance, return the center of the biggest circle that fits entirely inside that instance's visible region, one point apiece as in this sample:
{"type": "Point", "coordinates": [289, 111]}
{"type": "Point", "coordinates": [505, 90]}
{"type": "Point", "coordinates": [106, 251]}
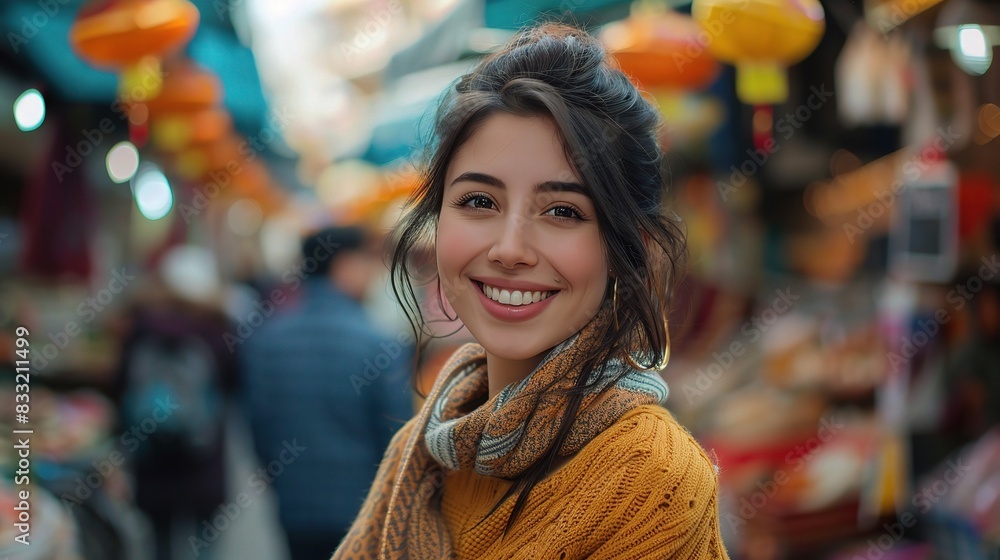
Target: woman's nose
{"type": "Point", "coordinates": [512, 246]}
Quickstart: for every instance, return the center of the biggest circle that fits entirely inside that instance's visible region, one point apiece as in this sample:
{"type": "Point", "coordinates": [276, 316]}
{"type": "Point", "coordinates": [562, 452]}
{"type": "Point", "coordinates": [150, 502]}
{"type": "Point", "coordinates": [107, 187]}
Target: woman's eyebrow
{"type": "Point", "coordinates": [545, 186]}
{"type": "Point", "coordinates": [477, 177]}
{"type": "Point", "coordinates": [561, 186]}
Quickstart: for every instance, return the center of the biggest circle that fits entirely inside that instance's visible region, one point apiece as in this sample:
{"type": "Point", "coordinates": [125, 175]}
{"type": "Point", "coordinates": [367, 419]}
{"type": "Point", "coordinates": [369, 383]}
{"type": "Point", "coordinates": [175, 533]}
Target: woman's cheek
{"type": "Point", "coordinates": [455, 249]}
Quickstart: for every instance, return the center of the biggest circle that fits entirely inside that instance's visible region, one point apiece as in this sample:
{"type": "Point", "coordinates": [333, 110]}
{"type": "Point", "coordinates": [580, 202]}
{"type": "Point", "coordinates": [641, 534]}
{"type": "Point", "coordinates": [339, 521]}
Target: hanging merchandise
{"type": "Point", "coordinates": [873, 80]}
{"type": "Point", "coordinates": [923, 237]}
{"type": "Point", "coordinates": [896, 82]}
{"type": "Point", "coordinates": [887, 483]}
{"type": "Point", "coordinates": [663, 50]}
{"type": "Point", "coordinates": [965, 518]}
{"type": "Point", "coordinates": [59, 209]}
{"type": "Point", "coordinates": [886, 15]}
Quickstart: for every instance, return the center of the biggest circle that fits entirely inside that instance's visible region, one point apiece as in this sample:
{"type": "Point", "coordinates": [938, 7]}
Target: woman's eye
{"type": "Point", "coordinates": [479, 201]}
{"type": "Point", "coordinates": [564, 212]}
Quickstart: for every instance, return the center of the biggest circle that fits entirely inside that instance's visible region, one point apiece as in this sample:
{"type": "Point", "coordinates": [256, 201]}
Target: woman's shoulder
{"type": "Point", "coordinates": [649, 439]}
{"type": "Point", "coordinates": [651, 485]}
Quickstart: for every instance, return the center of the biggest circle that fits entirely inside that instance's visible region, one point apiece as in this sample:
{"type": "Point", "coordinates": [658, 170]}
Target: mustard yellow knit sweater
{"type": "Point", "coordinates": [642, 489]}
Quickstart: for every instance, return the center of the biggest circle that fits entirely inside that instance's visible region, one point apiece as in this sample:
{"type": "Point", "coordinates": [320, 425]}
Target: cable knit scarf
{"type": "Point", "coordinates": [459, 428]}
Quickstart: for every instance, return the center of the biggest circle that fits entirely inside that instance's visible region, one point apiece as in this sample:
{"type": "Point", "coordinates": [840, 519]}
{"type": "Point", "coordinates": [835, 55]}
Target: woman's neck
{"type": "Point", "coordinates": [502, 372]}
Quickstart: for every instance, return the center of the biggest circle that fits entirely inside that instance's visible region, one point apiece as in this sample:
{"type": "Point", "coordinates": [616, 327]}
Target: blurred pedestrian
{"type": "Point", "coordinates": [174, 381]}
{"type": "Point", "coordinates": [325, 391]}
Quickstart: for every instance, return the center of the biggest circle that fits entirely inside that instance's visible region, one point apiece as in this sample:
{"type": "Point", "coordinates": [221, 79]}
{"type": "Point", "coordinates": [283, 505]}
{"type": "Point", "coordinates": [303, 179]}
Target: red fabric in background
{"type": "Point", "coordinates": [58, 209]}
{"type": "Point", "coordinates": [977, 197]}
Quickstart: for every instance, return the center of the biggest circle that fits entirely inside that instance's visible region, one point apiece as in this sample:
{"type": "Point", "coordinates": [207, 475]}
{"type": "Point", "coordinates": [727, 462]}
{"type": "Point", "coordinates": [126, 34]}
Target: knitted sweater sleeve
{"type": "Point", "coordinates": [363, 540]}
{"type": "Point", "coordinates": [674, 513]}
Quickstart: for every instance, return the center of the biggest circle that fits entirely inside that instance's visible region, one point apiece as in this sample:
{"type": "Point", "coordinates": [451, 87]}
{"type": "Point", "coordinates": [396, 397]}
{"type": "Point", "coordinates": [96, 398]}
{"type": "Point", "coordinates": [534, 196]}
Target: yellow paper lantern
{"type": "Point", "coordinates": [761, 38]}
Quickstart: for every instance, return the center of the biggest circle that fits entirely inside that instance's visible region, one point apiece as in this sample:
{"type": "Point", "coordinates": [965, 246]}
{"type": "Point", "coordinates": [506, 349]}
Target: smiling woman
{"type": "Point", "coordinates": [547, 438]}
{"type": "Point", "coordinates": [510, 226]}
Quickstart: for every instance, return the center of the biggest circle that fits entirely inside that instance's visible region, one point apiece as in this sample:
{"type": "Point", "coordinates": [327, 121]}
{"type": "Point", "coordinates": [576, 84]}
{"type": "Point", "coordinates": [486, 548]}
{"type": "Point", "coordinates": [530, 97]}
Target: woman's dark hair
{"type": "Point", "coordinates": [611, 135]}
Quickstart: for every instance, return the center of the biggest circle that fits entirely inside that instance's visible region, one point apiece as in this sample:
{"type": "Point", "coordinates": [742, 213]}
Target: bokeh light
{"type": "Point", "coordinates": [29, 110]}
{"type": "Point", "coordinates": [245, 217]}
{"type": "Point", "coordinates": [152, 193]}
{"type": "Point", "coordinates": [974, 53]}
{"type": "Point", "coordinates": [122, 162]}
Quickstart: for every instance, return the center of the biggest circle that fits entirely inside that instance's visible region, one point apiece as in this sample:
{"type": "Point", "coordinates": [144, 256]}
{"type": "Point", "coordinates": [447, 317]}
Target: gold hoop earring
{"type": "Point", "coordinates": [441, 303]}
{"type": "Point", "coordinates": [614, 303]}
{"type": "Point", "coordinates": [628, 357]}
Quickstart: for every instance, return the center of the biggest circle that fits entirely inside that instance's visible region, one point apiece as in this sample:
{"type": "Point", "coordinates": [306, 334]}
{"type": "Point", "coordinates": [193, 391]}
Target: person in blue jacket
{"type": "Point", "coordinates": [325, 391]}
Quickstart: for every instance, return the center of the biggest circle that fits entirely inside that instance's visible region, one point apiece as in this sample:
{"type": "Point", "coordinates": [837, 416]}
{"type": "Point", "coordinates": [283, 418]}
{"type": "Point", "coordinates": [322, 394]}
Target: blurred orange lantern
{"type": "Point", "coordinates": [187, 88]}
{"type": "Point", "coordinates": [761, 38]}
{"type": "Point", "coordinates": [131, 36]}
{"type": "Point", "coordinates": [225, 168]}
{"type": "Point", "coordinates": [226, 154]}
{"type": "Point", "coordinates": [206, 160]}
{"type": "Point", "coordinates": [251, 179]}
{"type": "Point", "coordinates": [175, 131]}
{"type": "Point", "coordinates": [117, 33]}
{"type": "Point", "coordinates": [372, 207]}
{"type": "Point", "coordinates": [662, 50]}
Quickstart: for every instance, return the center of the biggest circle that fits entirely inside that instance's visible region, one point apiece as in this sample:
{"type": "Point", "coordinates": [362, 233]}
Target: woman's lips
{"type": "Point", "coordinates": [506, 312]}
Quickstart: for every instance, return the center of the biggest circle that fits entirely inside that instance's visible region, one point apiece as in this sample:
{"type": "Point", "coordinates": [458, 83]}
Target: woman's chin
{"type": "Point", "coordinates": [517, 354]}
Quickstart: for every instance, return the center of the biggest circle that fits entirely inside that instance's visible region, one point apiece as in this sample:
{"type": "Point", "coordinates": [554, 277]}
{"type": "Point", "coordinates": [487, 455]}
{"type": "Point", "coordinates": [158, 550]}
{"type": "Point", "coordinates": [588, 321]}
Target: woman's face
{"type": "Point", "coordinates": [519, 252]}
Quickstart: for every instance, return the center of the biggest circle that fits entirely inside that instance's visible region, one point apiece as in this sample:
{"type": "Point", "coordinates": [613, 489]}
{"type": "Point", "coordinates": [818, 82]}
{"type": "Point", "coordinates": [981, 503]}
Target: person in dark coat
{"type": "Point", "coordinates": [325, 390]}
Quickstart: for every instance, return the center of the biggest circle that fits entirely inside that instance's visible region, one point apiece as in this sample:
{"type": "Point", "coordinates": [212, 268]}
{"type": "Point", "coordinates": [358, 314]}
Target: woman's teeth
{"type": "Point", "coordinates": [513, 297]}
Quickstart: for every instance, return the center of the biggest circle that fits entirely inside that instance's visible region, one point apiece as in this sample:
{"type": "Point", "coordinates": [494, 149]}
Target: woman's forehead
{"type": "Point", "coordinates": [516, 149]}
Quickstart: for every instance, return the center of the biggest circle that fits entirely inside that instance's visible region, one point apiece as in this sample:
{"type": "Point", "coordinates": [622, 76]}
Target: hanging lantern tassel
{"type": "Point", "coordinates": [138, 134]}
{"type": "Point", "coordinates": [761, 82]}
{"type": "Point", "coordinates": [140, 81]}
{"type": "Point", "coordinates": [763, 128]}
